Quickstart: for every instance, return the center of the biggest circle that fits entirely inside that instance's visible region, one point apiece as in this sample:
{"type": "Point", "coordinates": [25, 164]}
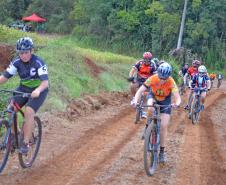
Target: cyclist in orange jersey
{"type": "Point", "coordinates": [191, 72]}
{"type": "Point", "coordinates": [161, 87]}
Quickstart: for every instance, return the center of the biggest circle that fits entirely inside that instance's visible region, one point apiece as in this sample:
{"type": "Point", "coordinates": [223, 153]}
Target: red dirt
{"type": "Point", "coordinates": [96, 142]}
{"type": "Point", "coordinates": [6, 54]}
{"type": "Point", "coordinates": [94, 69]}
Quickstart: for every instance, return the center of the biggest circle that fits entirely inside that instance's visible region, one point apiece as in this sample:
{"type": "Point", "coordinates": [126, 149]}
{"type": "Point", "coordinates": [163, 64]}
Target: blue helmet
{"type": "Point", "coordinates": [24, 44]}
{"type": "Point", "coordinates": [164, 70]}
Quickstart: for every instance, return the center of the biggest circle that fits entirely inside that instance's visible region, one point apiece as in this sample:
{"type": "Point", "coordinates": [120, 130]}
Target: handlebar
{"type": "Point", "coordinates": [18, 93]}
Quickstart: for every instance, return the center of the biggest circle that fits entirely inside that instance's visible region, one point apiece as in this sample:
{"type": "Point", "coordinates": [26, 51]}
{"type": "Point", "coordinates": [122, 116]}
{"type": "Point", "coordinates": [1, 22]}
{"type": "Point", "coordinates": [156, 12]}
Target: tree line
{"type": "Point", "coordinates": [134, 25]}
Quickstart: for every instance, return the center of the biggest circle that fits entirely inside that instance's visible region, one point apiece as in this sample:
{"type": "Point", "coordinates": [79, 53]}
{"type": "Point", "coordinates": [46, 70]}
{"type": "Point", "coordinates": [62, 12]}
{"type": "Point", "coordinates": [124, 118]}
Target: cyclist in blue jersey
{"type": "Point", "coordinates": [201, 80]}
{"type": "Point", "coordinates": [33, 74]}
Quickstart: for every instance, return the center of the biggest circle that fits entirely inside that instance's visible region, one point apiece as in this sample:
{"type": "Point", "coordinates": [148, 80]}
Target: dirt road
{"type": "Point", "coordinates": [104, 147]}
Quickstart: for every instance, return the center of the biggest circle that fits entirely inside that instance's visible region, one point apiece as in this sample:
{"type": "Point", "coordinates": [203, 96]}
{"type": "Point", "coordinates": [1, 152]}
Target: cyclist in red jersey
{"type": "Point", "coordinates": [191, 72]}
{"type": "Point", "coordinates": [143, 69]}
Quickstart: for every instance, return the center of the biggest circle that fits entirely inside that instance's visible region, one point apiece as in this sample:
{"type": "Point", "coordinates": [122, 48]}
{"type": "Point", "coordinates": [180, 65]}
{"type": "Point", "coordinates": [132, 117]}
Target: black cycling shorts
{"type": "Point", "coordinates": [167, 101]}
{"type": "Point", "coordinates": [34, 103]}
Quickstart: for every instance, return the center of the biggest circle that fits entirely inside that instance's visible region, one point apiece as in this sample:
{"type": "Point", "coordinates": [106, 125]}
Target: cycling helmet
{"type": "Point", "coordinates": [202, 69]}
{"type": "Point", "coordinates": [196, 63]}
{"type": "Point", "coordinates": [164, 70]}
{"type": "Point", "coordinates": [24, 44]}
{"type": "Point", "coordinates": [147, 55]}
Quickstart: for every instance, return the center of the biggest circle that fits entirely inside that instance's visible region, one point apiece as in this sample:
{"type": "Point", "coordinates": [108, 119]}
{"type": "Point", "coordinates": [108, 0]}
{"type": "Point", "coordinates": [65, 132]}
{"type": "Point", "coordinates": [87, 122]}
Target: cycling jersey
{"type": "Point", "coordinates": [144, 71]}
{"type": "Point", "coordinates": [184, 70]}
{"type": "Point", "coordinates": [161, 90]}
{"type": "Point", "coordinates": [199, 81]}
{"type": "Point", "coordinates": [220, 76]}
{"type": "Point", "coordinates": [192, 71]}
{"type": "Point", "coordinates": [212, 76]}
{"type": "Point", "coordinates": [31, 73]}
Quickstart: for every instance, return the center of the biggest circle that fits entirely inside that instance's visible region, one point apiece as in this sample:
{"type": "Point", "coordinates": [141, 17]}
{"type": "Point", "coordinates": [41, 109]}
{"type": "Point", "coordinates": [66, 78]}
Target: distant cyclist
{"type": "Point", "coordinates": [33, 74]}
{"type": "Point", "coordinates": [185, 79]}
{"type": "Point", "coordinates": [156, 61]}
{"type": "Point", "coordinates": [201, 80]}
{"type": "Point", "coordinates": [191, 72]}
{"type": "Point", "coordinates": [219, 78]}
{"type": "Point", "coordinates": [212, 77]}
{"type": "Point", "coordinates": [143, 69]}
{"type": "Point", "coordinates": [161, 86]}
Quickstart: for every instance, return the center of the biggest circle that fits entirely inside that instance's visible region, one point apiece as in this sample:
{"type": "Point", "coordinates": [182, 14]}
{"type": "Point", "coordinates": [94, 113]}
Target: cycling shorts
{"type": "Point", "coordinates": [166, 101]}
{"type": "Point", "coordinates": [34, 103]}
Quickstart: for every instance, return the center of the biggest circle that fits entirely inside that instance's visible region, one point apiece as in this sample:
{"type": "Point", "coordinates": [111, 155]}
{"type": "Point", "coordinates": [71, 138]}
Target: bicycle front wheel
{"type": "Point", "coordinates": [5, 143]}
{"type": "Point", "coordinates": [27, 160]}
{"type": "Point", "coordinates": [150, 155]}
{"type": "Point", "coordinates": [195, 112]}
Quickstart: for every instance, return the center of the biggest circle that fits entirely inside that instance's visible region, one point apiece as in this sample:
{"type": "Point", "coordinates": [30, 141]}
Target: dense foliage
{"type": "Point", "coordinates": [132, 26]}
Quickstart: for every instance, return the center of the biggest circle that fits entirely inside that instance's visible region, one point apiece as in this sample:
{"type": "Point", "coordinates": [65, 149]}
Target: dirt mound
{"type": "Point", "coordinates": [88, 104]}
{"type": "Point", "coordinates": [6, 54]}
{"type": "Point", "coordinates": [94, 69]}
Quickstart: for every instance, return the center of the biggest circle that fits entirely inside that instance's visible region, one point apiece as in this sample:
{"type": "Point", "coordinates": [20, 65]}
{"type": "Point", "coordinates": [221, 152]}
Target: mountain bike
{"type": "Point", "coordinates": [196, 104]}
{"type": "Point", "coordinates": [11, 131]}
{"type": "Point", "coordinates": [152, 140]}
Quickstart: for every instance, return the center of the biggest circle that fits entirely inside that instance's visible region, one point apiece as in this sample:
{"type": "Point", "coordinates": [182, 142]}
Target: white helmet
{"type": "Point", "coordinates": [202, 69]}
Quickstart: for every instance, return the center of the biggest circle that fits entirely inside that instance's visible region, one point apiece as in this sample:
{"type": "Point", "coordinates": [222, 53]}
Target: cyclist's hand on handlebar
{"type": "Point", "coordinates": [130, 79]}
{"type": "Point", "coordinates": [35, 93]}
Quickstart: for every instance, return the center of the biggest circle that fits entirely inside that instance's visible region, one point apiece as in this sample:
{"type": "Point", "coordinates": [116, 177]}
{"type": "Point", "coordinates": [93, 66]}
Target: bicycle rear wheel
{"type": "Point", "coordinates": [5, 143]}
{"type": "Point", "coordinates": [195, 112]}
{"type": "Point", "coordinates": [34, 145]}
{"type": "Point", "coordinates": [150, 155]}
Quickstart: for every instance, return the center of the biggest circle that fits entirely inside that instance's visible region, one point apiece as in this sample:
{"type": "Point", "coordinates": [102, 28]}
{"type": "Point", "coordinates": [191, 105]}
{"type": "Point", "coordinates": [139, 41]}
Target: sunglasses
{"type": "Point", "coordinates": [23, 52]}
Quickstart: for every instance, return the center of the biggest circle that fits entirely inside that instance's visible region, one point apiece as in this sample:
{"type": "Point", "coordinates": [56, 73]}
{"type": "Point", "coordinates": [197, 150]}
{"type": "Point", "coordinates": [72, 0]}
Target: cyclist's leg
{"type": "Point", "coordinates": [133, 88]}
{"type": "Point", "coordinates": [31, 108]}
{"type": "Point", "coordinates": [150, 102]}
{"type": "Point", "coordinates": [203, 96]}
{"type": "Point", "coordinates": [165, 118]}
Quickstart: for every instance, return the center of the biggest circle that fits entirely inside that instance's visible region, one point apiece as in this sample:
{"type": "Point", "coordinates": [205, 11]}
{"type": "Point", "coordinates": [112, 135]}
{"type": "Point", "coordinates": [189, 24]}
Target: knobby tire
{"type": "Point", "coordinates": [148, 149]}
{"type": "Point", "coordinates": [27, 160]}
{"type": "Point", "coordinates": [5, 147]}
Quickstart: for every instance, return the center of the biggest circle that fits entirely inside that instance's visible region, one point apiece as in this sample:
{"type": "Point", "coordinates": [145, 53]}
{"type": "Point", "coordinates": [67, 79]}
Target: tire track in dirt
{"type": "Point", "coordinates": [87, 155]}
{"type": "Point", "coordinates": [112, 153]}
{"type": "Point", "coordinates": [200, 156]}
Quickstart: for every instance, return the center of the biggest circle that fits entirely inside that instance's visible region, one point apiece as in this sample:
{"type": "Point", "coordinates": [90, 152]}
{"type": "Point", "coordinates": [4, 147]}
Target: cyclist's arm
{"type": "Point", "coordinates": [132, 72]}
{"type": "Point", "coordinates": [185, 77]}
{"type": "Point", "coordinates": [208, 84]}
{"type": "Point", "coordinates": [44, 85]}
{"type": "Point", "coordinates": [177, 97]}
{"type": "Point", "coordinates": [3, 79]}
{"type": "Point", "coordinates": [139, 92]}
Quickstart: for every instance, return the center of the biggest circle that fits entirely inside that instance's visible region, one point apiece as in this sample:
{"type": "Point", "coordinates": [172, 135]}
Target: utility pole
{"type": "Point", "coordinates": [182, 25]}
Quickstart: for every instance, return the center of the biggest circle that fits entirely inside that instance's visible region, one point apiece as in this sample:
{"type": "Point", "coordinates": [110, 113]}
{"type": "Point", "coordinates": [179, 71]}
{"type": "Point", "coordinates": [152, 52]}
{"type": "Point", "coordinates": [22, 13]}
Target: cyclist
{"type": "Point", "coordinates": [161, 87]}
{"type": "Point", "coordinates": [219, 78]}
{"type": "Point", "coordinates": [33, 74]}
{"type": "Point", "coordinates": [182, 73]}
{"type": "Point", "coordinates": [191, 72]}
{"type": "Point", "coordinates": [202, 80]}
{"type": "Point", "coordinates": [142, 69]}
{"type": "Point", "coordinates": [212, 77]}
{"type": "Point", "coordinates": [156, 61]}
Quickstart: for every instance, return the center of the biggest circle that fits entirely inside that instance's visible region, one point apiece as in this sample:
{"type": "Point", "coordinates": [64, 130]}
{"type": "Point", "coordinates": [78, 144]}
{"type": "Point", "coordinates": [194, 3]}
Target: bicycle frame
{"type": "Point", "coordinates": [152, 140]}
{"type": "Point", "coordinates": [9, 118]}
{"type": "Point", "coordinates": [196, 105]}
{"type": "Point", "coordinates": [12, 121]}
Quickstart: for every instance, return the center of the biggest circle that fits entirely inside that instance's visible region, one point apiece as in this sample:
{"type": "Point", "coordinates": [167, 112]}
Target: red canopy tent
{"type": "Point", "coordinates": [34, 17]}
